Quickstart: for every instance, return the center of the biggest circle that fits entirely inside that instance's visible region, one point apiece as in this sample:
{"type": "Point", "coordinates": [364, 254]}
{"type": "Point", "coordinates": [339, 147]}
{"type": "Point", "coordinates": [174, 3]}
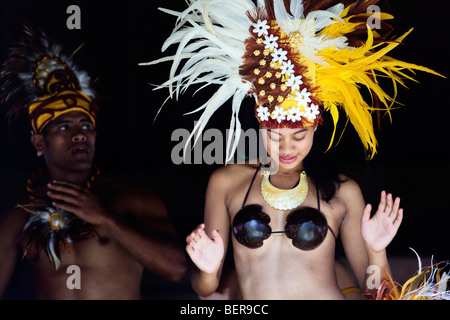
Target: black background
{"type": "Point", "coordinates": [413, 154]}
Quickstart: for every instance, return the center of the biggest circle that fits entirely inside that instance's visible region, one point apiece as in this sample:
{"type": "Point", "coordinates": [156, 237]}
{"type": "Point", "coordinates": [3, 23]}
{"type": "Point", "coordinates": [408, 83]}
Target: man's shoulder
{"type": "Point", "coordinates": [127, 194]}
{"type": "Point", "coordinates": [12, 222]}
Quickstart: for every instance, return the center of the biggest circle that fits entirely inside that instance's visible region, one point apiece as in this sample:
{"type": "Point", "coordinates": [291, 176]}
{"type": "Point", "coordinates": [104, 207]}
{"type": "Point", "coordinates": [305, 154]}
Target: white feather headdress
{"type": "Point", "coordinates": [211, 36]}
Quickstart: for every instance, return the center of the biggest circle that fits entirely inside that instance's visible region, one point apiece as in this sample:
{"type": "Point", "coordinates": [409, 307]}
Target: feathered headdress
{"type": "Point", "coordinates": [296, 58]}
{"type": "Point", "coordinates": [38, 77]}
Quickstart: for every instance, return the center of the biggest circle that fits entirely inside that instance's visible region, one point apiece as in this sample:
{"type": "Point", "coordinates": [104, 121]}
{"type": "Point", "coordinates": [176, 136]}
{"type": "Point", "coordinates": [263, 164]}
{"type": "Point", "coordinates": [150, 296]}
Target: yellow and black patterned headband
{"type": "Point", "coordinates": [53, 76]}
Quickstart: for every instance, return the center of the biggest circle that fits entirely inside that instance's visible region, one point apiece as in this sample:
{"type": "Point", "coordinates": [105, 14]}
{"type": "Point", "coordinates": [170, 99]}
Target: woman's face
{"type": "Point", "coordinates": [289, 147]}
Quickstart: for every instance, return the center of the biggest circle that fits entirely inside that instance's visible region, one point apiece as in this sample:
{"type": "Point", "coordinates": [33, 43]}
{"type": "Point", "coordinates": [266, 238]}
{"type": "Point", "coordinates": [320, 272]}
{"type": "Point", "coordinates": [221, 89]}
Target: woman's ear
{"type": "Point", "coordinates": [39, 144]}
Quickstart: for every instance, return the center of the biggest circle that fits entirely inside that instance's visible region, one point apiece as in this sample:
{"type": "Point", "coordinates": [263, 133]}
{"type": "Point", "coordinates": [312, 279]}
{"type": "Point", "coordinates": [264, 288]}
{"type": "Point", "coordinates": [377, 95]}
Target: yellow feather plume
{"type": "Point", "coordinates": [349, 69]}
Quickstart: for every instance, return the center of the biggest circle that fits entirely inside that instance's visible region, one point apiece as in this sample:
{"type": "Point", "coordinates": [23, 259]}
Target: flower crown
{"type": "Point", "coordinates": [284, 93]}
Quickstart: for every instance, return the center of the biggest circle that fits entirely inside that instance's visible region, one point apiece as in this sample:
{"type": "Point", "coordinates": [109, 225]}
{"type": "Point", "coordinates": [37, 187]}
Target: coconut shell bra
{"type": "Point", "coordinates": [306, 226]}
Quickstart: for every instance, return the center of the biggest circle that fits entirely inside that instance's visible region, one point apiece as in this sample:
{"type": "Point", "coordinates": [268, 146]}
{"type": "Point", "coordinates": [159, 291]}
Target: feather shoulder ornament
{"type": "Point", "coordinates": [297, 59]}
{"type": "Point", "coordinates": [51, 229]}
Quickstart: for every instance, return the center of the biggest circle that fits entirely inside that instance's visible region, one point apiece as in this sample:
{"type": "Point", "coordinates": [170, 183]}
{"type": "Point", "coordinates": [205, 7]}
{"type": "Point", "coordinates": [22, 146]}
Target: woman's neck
{"type": "Point", "coordinates": [284, 172]}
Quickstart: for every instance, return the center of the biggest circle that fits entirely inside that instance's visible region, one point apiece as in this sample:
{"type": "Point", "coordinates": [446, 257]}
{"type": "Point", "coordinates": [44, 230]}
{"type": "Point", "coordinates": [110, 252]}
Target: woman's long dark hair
{"type": "Point", "coordinates": [323, 172]}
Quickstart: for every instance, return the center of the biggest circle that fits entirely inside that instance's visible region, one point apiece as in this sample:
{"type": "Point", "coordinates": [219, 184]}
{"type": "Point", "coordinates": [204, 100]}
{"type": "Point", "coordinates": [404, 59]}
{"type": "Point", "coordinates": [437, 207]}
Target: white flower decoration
{"type": "Point", "coordinates": [294, 82]}
{"type": "Point", "coordinates": [279, 55]}
{"type": "Point", "coordinates": [303, 97]}
{"type": "Point", "coordinates": [311, 112]}
{"type": "Point", "coordinates": [270, 42]}
{"type": "Point", "coordinates": [279, 114]}
{"type": "Point", "coordinates": [287, 68]}
{"type": "Point", "coordinates": [261, 27]}
{"type": "Point", "coordinates": [294, 114]}
{"type": "Point", "coordinates": [263, 113]}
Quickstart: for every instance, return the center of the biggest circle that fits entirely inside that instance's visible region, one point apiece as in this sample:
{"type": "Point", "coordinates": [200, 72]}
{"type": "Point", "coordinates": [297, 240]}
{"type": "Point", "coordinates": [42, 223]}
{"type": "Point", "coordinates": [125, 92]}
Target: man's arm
{"type": "Point", "coordinates": [148, 235]}
{"type": "Point", "coordinates": [11, 225]}
{"type": "Point", "coordinates": [138, 220]}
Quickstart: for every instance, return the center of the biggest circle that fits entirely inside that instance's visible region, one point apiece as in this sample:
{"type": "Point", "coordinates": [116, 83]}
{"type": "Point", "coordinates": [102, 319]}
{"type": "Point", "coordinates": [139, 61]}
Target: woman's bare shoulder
{"type": "Point", "coordinates": [347, 185]}
{"type": "Point", "coordinates": [232, 174]}
{"type": "Point", "coordinates": [349, 192]}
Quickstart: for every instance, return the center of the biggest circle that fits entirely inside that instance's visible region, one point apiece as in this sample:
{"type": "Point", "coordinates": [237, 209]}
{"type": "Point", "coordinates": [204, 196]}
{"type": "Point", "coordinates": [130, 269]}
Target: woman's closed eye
{"type": "Point", "coordinates": [299, 139]}
{"type": "Point", "coordinates": [274, 137]}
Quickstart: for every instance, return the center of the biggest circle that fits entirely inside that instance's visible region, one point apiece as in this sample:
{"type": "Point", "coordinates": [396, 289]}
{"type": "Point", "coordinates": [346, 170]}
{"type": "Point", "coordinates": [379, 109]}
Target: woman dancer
{"type": "Point", "coordinates": [297, 59]}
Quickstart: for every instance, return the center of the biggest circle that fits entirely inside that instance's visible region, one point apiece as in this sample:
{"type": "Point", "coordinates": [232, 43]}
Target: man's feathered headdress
{"type": "Point", "coordinates": [38, 77]}
{"type": "Point", "coordinates": [296, 58]}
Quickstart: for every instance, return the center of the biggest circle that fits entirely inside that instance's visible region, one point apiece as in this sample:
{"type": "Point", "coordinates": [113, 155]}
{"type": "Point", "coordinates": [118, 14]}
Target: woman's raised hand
{"type": "Point", "coordinates": [207, 253]}
{"type": "Point", "coordinates": [379, 230]}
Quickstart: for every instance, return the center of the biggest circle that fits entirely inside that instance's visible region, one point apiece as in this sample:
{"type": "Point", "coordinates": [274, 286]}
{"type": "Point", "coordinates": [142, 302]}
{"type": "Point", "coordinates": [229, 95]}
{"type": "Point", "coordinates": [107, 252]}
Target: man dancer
{"type": "Point", "coordinates": [87, 236]}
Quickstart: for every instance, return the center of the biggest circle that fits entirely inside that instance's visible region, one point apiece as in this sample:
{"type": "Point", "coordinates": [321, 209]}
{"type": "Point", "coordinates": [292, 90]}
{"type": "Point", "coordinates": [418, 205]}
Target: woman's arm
{"type": "Point", "coordinates": [207, 244]}
{"type": "Point", "coordinates": [350, 230]}
{"type": "Point", "coordinates": [364, 238]}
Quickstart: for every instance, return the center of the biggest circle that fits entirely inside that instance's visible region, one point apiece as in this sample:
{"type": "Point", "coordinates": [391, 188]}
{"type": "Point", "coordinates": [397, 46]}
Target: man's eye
{"type": "Point", "coordinates": [87, 126]}
{"type": "Point", "coordinates": [63, 128]}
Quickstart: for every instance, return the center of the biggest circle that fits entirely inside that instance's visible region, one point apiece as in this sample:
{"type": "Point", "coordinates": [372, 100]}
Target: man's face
{"type": "Point", "coordinates": [69, 142]}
